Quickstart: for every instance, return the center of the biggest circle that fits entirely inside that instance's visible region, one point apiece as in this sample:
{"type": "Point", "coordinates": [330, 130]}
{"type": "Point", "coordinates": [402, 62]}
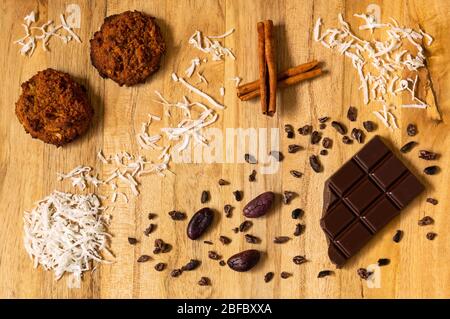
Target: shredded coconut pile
{"type": "Point", "coordinates": [211, 45]}
{"type": "Point", "coordinates": [388, 60]}
{"type": "Point", "coordinates": [34, 34]}
{"type": "Point", "coordinates": [66, 233]}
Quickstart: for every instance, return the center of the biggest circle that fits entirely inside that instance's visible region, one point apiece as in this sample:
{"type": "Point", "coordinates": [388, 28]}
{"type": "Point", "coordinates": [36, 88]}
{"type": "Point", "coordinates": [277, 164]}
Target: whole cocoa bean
{"type": "Point", "coordinates": [259, 205]}
{"type": "Point", "coordinates": [244, 260]}
{"type": "Point", "coordinates": [199, 223]}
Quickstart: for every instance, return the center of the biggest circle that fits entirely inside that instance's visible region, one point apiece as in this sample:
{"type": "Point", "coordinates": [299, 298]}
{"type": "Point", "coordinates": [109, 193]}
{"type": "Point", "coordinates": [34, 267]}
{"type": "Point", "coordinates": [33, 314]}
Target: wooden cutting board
{"type": "Point", "coordinates": [418, 268]}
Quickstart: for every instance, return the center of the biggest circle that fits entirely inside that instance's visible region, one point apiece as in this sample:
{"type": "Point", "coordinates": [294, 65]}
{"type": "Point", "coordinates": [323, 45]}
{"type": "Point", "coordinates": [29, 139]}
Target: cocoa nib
{"type": "Point", "coordinates": [252, 176]}
{"type": "Point", "coordinates": [427, 220]}
{"type": "Point", "coordinates": [161, 247]}
{"type": "Point", "coordinates": [352, 113]}
{"type": "Point", "coordinates": [299, 229]}
{"type": "Point", "coordinates": [295, 173]}
{"type": "Point", "coordinates": [205, 197]}
{"type": "Point", "coordinates": [223, 182]}
{"type": "Point", "coordinates": [358, 135]}
{"type": "Point", "coordinates": [176, 273]}
{"type": "Point", "coordinates": [298, 260]}
{"type": "Point", "coordinates": [431, 236]}
{"type": "Point", "coordinates": [408, 146]}
{"type": "Point", "coordinates": [427, 155]}
{"type": "Point", "coordinates": [294, 148]}
{"type": "Point", "coordinates": [199, 223]}
{"type": "Point", "coordinates": [144, 258]}
{"type": "Point", "coordinates": [250, 159]}
{"type": "Point", "coordinates": [363, 273]}
{"type": "Point", "coordinates": [288, 196]}
{"type": "Point", "coordinates": [252, 239]}
{"type": "Point", "coordinates": [431, 170]}
{"type": "Point", "coordinates": [323, 152]}
{"type": "Point", "coordinates": [346, 140]}
{"type": "Point", "coordinates": [384, 262]}
{"type": "Point", "coordinates": [204, 281]}
{"type": "Point", "coordinates": [245, 226]}
{"type": "Point", "coordinates": [315, 137]}
{"type": "Point", "coordinates": [285, 275]}
{"type": "Point", "coordinates": [327, 142]}
{"type": "Point", "coordinates": [224, 240]}
{"type": "Point", "coordinates": [289, 130]}
{"type": "Point", "coordinates": [281, 239]}
{"type": "Point", "coordinates": [432, 201]}
{"type": "Point", "coordinates": [160, 266]}
{"type": "Point", "coordinates": [149, 229]}
{"type": "Point", "coordinates": [297, 213]}
{"type": "Point", "coordinates": [132, 241]}
{"type": "Point", "coordinates": [325, 273]}
{"type": "Point", "coordinates": [305, 130]}
{"type": "Point", "coordinates": [323, 119]}
{"type": "Point", "coordinates": [213, 255]}
{"type": "Point", "coordinates": [208, 242]}
{"type": "Point", "coordinates": [227, 209]}
{"type": "Point", "coordinates": [260, 205]}
{"type": "Point", "coordinates": [176, 215]}
{"type": "Point", "coordinates": [278, 156]}
{"type": "Point", "coordinates": [315, 163]}
{"type": "Point", "coordinates": [369, 126]}
{"type": "Point", "coordinates": [411, 129]}
{"type": "Point", "coordinates": [339, 127]}
{"type": "Point", "coordinates": [398, 236]}
{"type": "Point", "coordinates": [268, 276]}
{"type": "Point", "coordinates": [244, 260]}
{"type": "Point", "coordinates": [191, 265]}
{"type": "Point", "coordinates": [238, 195]}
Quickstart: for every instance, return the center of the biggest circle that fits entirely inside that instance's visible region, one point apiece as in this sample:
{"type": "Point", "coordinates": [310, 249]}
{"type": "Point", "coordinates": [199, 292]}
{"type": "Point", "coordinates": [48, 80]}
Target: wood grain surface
{"type": "Point", "coordinates": [419, 267]}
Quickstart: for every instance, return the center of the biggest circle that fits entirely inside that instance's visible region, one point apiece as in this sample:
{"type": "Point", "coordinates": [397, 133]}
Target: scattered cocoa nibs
{"type": "Point", "coordinates": [268, 276]}
{"type": "Point", "coordinates": [346, 140]}
{"type": "Point", "coordinates": [322, 126]}
{"type": "Point", "coordinates": [160, 266]}
{"type": "Point", "coordinates": [305, 130]}
{"type": "Point", "coordinates": [369, 126]}
{"type": "Point", "coordinates": [323, 152]}
{"type": "Point", "coordinates": [325, 273]}
{"type": "Point", "coordinates": [223, 182]}
{"type": "Point", "coordinates": [228, 209]}
{"type": "Point", "coordinates": [237, 195]}
{"type": "Point", "coordinates": [298, 260]}
{"type": "Point", "coordinates": [161, 246]}
{"type": "Point", "coordinates": [191, 265]}
{"type": "Point", "coordinates": [149, 229]}
{"type": "Point", "coordinates": [327, 142]}
{"type": "Point", "coordinates": [222, 263]}
{"type": "Point", "coordinates": [151, 216]}
{"type": "Point", "coordinates": [144, 258]}
{"type": "Point", "coordinates": [323, 119]}
{"type": "Point", "coordinates": [285, 275]}
{"type": "Point", "coordinates": [205, 197]}
{"type": "Point", "coordinates": [427, 220]}
{"type": "Point", "coordinates": [339, 127]}
{"type": "Point", "coordinates": [204, 281]}
{"type": "Point", "coordinates": [398, 236]}
{"type": "Point", "coordinates": [294, 148]}
{"type": "Point", "coordinates": [224, 240]}
{"type": "Point", "coordinates": [252, 176]}
{"type": "Point", "coordinates": [295, 173]}
{"type": "Point", "coordinates": [432, 201]}
{"type": "Point", "coordinates": [176, 215]}
{"type": "Point", "coordinates": [352, 113]}
{"type": "Point", "coordinates": [383, 262]}
{"type": "Point", "coordinates": [252, 239]}
{"type": "Point", "coordinates": [213, 255]}
{"type": "Point", "coordinates": [132, 241]}
{"type": "Point", "coordinates": [315, 137]}
{"type": "Point", "coordinates": [250, 159]}
{"type": "Point", "coordinates": [431, 170]}
{"type": "Point", "coordinates": [288, 196]}
{"type": "Point", "coordinates": [297, 213]}
{"type": "Point", "coordinates": [428, 155]}
{"type": "Point", "coordinates": [408, 147]}
{"type": "Point", "coordinates": [278, 156]}
{"type": "Point", "coordinates": [364, 274]}
{"type": "Point", "coordinates": [431, 236]}
{"type": "Point", "coordinates": [315, 163]}
{"type": "Point", "coordinates": [289, 130]}
{"type": "Point", "coordinates": [281, 239]}
{"type": "Point", "coordinates": [208, 242]}
{"type": "Point", "coordinates": [245, 226]}
{"type": "Point", "coordinates": [358, 135]}
{"type": "Point", "coordinates": [299, 229]}
{"type": "Point", "coordinates": [176, 273]}
{"type": "Point", "coordinates": [411, 129]}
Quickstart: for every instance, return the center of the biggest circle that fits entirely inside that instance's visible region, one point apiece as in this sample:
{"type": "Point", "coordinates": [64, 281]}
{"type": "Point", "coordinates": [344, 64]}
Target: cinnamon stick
{"type": "Point", "coordinates": [252, 86]}
{"type": "Point", "coordinates": [262, 67]}
{"type": "Point", "coordinates": [282, 83]}
{"type": "Point", "coordinates": [271, 66]}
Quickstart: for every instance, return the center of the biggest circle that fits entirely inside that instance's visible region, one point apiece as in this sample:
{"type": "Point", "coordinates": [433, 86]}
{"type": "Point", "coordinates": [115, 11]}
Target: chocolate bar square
{"type": "Point", "coordinates": [363, 196]}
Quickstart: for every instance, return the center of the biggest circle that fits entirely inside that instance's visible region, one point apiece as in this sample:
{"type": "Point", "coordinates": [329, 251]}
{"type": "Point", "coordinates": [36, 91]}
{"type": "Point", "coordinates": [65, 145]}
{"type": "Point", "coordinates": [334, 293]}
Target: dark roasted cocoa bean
{"type": "Point", "coordinates": [339, 127]}
{"type": "Point", "coordinates": [199, 223]}
{"type": "Point", "coordinates": [259, 205]}
{"type": "Point", "coordinates": [244, 260]}
{"type": "Point", "coordinates": [315, 163]}
{"type": "Point", "coordinates": [352, 113]}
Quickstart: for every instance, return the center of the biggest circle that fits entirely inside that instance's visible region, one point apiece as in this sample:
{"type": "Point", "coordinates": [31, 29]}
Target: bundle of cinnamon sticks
{"type": "Point", "coordinates": [269, 79]}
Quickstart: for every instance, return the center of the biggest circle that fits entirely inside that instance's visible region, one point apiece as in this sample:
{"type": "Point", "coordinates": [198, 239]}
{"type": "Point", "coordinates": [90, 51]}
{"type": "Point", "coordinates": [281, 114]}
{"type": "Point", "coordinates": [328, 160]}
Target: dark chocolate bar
{"type": "Point", "coordinates": [363, 196]}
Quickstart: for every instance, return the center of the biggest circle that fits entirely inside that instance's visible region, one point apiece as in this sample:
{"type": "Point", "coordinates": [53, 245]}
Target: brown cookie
{"type": "Point", "coordinates": [53, 107]}
{"type": "Point", "coordinates": [128, 48]}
